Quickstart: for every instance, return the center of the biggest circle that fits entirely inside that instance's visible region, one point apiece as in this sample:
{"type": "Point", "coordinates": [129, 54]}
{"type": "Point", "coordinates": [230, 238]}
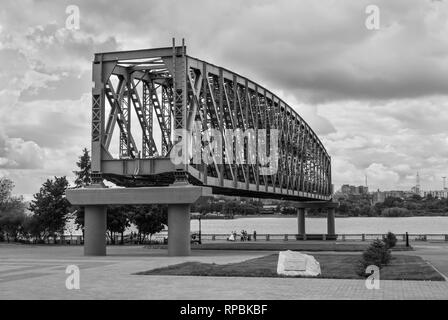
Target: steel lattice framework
{"type": "Point", "coordinates": [150, 93]}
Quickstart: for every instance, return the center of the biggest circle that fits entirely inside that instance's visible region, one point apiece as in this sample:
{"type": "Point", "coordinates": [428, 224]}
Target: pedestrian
{"type": "Point", "coordinates": [255, 235]}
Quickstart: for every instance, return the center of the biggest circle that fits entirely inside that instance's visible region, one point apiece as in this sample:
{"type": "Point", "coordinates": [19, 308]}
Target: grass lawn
{"type": "Point", "coordinates": [337, 266]}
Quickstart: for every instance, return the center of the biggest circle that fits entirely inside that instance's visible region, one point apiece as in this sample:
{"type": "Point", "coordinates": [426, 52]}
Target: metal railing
{"type": "Point", "coordinates": [210, 237]}
{"type": "Point", "coordinates": [79, 240]}
{"type": "Point", "coordinates": [338, 237]}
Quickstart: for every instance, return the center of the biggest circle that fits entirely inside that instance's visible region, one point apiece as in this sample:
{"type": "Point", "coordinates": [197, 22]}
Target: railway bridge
{"type": "Point", "coordinates": [169, 128]}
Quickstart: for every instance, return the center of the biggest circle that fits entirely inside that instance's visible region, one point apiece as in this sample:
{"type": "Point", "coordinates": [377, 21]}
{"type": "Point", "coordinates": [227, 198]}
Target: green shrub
{"type": "Point", "coordinates": [377, 254]}
{"type": "Point", "coordinates": [390, 240]}
{"type": "Point", "coordinates": [360, 268]}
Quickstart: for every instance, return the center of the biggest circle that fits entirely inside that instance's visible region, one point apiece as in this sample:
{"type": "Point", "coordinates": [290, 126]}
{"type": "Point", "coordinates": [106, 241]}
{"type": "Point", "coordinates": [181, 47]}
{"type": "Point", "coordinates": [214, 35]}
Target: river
{"type": "Point", "coordinates": [288, 225]}
{"type": "Point", "coordinates": [352, 225]}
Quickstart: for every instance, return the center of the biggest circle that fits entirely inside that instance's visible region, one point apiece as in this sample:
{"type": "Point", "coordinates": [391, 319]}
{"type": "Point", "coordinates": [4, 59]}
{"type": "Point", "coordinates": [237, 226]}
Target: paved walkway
{"type": "Point", "coordinates": [38, 272]}
{"type": "Point", "coordinates": [435, 253]}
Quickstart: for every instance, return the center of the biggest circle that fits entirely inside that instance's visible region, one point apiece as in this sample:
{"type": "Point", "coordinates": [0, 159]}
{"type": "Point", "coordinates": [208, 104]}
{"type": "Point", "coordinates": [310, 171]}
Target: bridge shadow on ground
{"type": "Point", "coordinates": [276, 246]}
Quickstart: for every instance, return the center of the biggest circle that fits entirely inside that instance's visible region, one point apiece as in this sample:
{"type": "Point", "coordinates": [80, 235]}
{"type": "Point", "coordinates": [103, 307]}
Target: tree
{"type": "Point", "coordinates": [230, 208]}
{"type": "Point", "coordinates": [289, 210]}
{"type": "Point", "coordinates": [50, 207]}
{"type": "Point", "coordinates": [6, 187]}
{"type": "Point", "coordinates": [32, 227]}
{"type": "Point", "coordinates": [390, 240]}
{"type": "Point", "coordinates": [149, 220]}
{"type": "Point", "coordinates": [12, 218]}
{"type": "Point", "coordinates": [83, 175]}
{"type": "Point", "coordinates": [79, 217]}
{"type": "Point", "coordinates": [83, 178]}
{"type": "Point", "coordinates": [117, 221]}
{"type": "Point", "coordinates": [395, 212]}
{"type": "Point", "coordinates": [377, 254]}
{"type": "Point", "coordinates": [343, 208]}
{"type": "Point", "coordinates": [390, 202]}
{"type": "Point", "coordinates": [12, 211]}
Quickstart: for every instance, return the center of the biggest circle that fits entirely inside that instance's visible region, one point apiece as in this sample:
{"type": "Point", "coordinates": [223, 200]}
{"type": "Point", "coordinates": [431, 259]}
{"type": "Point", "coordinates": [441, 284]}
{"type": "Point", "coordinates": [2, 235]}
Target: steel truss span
{"type": "Point", "coordinates": [151, 94]}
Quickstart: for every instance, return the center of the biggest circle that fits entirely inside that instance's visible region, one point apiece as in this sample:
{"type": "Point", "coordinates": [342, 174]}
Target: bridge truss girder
{"type": "Point", "coordinates": [165, 87]}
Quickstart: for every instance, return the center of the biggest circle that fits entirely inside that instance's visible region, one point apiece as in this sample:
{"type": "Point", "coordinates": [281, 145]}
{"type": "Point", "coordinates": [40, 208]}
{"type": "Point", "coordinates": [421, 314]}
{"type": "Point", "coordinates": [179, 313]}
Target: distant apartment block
{"type": "Point", "coordinates": [439, 194]}
{"type": "Point", "coordinates": [380, 196]}
{"type": "Point", "coordinates": [354, 190]}
{"type": "Point", "coordinates": [416, 190]}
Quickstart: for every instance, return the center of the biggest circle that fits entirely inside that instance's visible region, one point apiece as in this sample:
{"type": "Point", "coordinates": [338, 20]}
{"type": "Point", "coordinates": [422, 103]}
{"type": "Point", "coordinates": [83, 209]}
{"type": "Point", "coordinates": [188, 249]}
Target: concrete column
{"type": "Point", "coordinates": [179, 229]}
{"type": "Point", "coordinates": [330, 221]}
{"type": "Point", "coordinates": [95, 221]}
{"type": "Point", "coordinates": [301, 220]}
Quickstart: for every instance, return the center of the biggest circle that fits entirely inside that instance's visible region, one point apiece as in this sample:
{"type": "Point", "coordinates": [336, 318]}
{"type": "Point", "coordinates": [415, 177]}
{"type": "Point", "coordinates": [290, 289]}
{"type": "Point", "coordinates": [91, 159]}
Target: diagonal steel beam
{"type": "Point", "coordinates": [122, 120]}
{"type": "Point", "coordinates": [113, 114]}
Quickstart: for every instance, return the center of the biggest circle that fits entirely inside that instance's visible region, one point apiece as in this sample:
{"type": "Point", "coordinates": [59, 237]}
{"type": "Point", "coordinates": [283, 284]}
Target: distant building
{"type": "Point", "coordinates": [354, 190]}
{"type": "Point", "coordinates": [380, 196]}
{"type": "Point", "coordinates": [268, 209]}
{"type": "Point", "coordinates": [395, 194]}
{"type": "Point", "coordinates": [363, 190]}
{"type": "Point", "coordinates": [415, 190]}
{"type": "Point", "coordinates": [345, 189]}
{"type": "Point", "coordinates": [439, 194]}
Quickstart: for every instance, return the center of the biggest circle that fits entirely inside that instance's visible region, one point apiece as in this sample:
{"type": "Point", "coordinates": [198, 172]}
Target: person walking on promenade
{"type": "Point", "coordinates": [255, 235]}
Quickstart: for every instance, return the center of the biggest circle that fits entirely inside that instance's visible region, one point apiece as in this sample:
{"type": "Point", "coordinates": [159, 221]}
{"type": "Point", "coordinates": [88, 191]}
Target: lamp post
{"type": "Point", "coordinates": [200, 233]}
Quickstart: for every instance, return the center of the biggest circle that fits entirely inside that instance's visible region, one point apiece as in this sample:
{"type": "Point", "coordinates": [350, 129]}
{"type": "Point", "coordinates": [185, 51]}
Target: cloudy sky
{"type": "Point", "coordinates": [377, 98]}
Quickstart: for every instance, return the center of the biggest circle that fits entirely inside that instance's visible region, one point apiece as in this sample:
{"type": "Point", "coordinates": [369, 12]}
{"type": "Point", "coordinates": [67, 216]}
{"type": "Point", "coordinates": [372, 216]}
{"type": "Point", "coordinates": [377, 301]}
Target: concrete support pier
{"type": "Point", "coordinates": [330, 221]}
{"type": "Point", "coordinates": [301, 221]}
{"type": "Point", "coordinates": [179, 230]}
{"type": "Point", "coordinates": [327, 205]}
{"type": "Point", "coordinates": [95, 221]}
{"type": "Point", "coordinates": [178, 197]}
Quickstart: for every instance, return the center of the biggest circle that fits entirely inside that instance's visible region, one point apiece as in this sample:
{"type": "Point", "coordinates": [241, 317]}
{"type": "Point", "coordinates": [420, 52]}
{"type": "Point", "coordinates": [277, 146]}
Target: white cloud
{"type": "Point", "coordinates": [380, 175]}
{"type": "Point", "coordinates": [15, 153]}
{"type": "Point", "coordinates": [401, 137]}
{"type": "Point", "coordinates": [378, 100]}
